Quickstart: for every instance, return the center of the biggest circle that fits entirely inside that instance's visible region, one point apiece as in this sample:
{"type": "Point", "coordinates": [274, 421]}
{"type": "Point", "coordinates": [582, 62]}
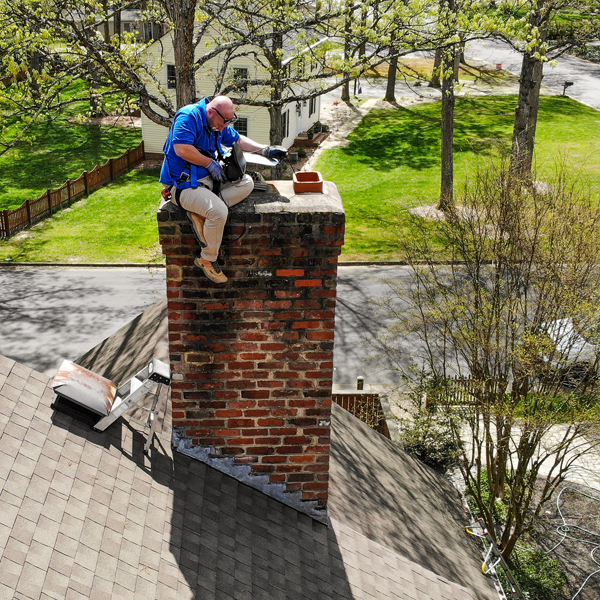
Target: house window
{"type": "Point", "coordinates": [312, 107]}
{"type": "Point", "coordinates": [285, 124]}
{"type": "Point", "coordinates": [241, 126]}
{"type": "Point", "coordinates": [171, 77]}
{"type": "Point", "coordinates": [240, 73]}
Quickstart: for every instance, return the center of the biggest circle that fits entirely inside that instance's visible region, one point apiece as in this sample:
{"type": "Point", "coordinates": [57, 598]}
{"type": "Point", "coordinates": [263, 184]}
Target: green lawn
{"type": "Point", "coordinates": [393, 164]}
{"type": "Point", "coordinates": [61, 149]}
{"type": "Point", "coordinates": [117, 223]}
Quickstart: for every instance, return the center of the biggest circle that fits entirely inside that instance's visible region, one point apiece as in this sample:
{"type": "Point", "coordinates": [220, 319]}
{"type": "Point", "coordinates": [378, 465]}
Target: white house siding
{"type": "Point", "coordinates": [161, 54]}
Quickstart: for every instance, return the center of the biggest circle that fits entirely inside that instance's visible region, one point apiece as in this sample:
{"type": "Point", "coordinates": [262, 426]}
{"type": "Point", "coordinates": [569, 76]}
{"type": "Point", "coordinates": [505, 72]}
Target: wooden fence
{"type": "Point", "coordinates": [33, 211]}
{"type": "Point", "coordinates": [366, 406]}
{"type": "Point", "coordinates": [465, 391]}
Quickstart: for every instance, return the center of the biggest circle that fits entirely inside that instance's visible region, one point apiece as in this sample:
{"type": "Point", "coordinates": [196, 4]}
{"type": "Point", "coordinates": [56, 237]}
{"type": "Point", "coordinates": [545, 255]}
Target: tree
{"type": "Point", "coordinates": [448, 20]}
{"type": "Point", "coordinates": [546, 37]}
{"type": "Point", "coordinates": [68, 41]}
{"type": "Point", "coordinates": [291, 40]}
{"type": "Point", "coordinates": [490, 342]}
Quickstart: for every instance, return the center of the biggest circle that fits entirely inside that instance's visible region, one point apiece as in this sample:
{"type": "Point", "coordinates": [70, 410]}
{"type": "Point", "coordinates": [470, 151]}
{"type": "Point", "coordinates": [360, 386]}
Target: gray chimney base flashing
{"type": "Point", "coordinates": [243, 473]}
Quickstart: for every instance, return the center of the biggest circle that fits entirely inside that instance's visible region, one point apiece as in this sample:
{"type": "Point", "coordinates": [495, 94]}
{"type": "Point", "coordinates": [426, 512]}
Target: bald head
{"type": "Point", "coordinates": [222, 104]}
{"type": "Point", "coordinates": [218, 110]}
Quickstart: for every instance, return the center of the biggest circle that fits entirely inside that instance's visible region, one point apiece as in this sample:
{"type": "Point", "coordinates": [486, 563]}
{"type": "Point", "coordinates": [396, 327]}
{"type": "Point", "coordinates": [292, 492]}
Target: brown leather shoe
{"type": "Point", "coordinates": [211, 269]}
{"type": "Point", "coordinates": [197, 223]}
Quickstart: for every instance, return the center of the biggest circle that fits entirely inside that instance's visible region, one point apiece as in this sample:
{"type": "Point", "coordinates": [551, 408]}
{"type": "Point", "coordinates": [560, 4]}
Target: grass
{"type": "Point", "coordinates": [60, 149]}
{"type": "Point", "coordinates": [117, 223]}
{"type": "Point", "coordinates": [391, 164]}
{"type": "Point", "coordinates": [393, 160]}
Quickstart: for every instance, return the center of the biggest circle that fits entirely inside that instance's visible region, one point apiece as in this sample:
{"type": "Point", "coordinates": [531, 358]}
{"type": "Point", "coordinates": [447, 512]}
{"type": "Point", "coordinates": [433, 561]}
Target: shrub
{"type": "Point", "coordinates": [539, 575]}
{"type": "Point", "coordinates": [430, 440]}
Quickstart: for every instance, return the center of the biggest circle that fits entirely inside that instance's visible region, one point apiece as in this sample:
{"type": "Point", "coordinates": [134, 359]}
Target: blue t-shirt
{"type": "Point", "coordinates": [190, 126]}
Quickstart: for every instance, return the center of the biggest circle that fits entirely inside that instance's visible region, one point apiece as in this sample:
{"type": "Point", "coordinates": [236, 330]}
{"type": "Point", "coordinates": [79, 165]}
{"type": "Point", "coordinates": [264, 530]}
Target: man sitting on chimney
{"type": "Point", "coordinates": [191, 169]}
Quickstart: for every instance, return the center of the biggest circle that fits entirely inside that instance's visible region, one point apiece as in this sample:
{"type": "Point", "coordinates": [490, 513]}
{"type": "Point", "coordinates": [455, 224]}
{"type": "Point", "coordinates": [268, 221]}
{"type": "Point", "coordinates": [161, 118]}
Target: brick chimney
{"type": "Point", "coordinates": [252, 360]}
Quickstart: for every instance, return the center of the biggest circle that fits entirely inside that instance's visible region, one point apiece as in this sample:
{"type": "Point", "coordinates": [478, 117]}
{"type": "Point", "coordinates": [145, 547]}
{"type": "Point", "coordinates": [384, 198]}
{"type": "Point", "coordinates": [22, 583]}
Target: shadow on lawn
{"type": "Point", "coordinates": [62, 150]}
{"type": "Point", "coordinates": [402, 137]}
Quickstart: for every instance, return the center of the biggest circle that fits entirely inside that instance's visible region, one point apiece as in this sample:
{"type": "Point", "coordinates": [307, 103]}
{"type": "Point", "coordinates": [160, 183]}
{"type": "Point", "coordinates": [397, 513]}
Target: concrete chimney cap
{"type": "Point", "coordinates": [329, 201]}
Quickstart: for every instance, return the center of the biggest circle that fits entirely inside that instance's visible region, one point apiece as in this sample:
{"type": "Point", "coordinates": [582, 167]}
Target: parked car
{"type": "Point", "coordinates": [575, 356]}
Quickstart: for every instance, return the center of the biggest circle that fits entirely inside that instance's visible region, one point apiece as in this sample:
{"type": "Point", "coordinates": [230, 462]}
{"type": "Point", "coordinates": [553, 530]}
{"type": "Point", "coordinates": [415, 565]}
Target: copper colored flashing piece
{"type": "Point", "coordinates": [85, 388]}
{"type": "Point", "coordinates": [308, 182]}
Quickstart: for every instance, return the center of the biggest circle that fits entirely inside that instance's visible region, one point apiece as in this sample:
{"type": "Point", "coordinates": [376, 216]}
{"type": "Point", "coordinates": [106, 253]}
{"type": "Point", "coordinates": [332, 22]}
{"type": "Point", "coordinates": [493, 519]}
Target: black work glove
{"type": "Point", "coordinates": [276, 152]}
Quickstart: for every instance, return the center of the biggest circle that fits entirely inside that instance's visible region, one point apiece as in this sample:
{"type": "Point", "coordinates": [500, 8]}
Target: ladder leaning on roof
{"type": "Point", "coordinates": [101, 396]}
{"type": "Point", "coordinates": [493, 558]}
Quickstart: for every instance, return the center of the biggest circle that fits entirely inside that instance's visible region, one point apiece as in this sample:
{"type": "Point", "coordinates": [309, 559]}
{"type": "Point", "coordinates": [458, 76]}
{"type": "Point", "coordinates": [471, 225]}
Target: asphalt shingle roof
{"type": "Point", "coordinates": [87, 515]}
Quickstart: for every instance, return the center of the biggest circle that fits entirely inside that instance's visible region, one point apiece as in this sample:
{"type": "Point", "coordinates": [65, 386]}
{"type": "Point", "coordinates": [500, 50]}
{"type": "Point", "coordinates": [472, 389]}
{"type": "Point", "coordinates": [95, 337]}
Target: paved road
{"type": "Point", "coordinates": [584, 74]}
{"type": "Point", "coordinates": [50, 314]}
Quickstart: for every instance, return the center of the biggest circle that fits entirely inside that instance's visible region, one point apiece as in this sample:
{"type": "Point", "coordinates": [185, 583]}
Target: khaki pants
{"type": "Point", "coordinates": [207, 204]}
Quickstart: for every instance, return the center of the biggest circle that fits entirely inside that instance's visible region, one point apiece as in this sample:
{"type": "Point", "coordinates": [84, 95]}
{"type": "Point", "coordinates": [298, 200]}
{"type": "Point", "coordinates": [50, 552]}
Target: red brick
{"type": "Point", "coordinates": [248, 304]}
{"type": "Point", "coordinates": [306, 325]}
{"type": "Point", "coordinates": [315, 486]}
{"type": "Point", "coordinates": [255, 431]}
{"type": "Point", "coordinates": [228, 433]}
{"type": "Point", "coordinates": [270, 441]}
{"type": "Point", "coordinates": [298, 439]}
{"type": "Point", "coordinates": [319, 335]}
{"type": "Point", "coordinates": [283, 431]}
{"type": "Point", "coordinates": [241, 403]}
{"type": "Point", "coordinates": [270, 422]}
{"type": "Point", "coordinates": [256, 394]}
{"type": "Point", "coordinates": [226, 395]}
{"type": "Point", "coordinates": [288, 294]}
{"type": "Point", "coordinates": [244, 347]}
{"type": "Point", "coordinates": [286, 374]}
{"type": "Point", "coordinates": [260, 450]}
{"type": "Point", "coordinates": [274, 459]}
{"type": "Point", "coordinates": [256, 412]}
{"type": "Point", "coordinates": [290, 272]}
{"type": "Point", "coordinates": [228, 413]}
{"type": "Point", "coordinates": [273, 346]}
{"type": "Point", "coordinates": [308, 283]}
{"type": "Point", "coordinates": [289, 449]}
{"type": "Point", "coordinates": [254, 337]}
{"type": "Point", "coordinates": [270, 384]}
{"type": "Point", "coordinates": [216, 306]}
{"type": "Point", "coordinates": [278, 304]}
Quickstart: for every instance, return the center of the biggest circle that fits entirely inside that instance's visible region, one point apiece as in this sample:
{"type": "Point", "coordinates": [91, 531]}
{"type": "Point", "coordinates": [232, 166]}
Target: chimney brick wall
{"type": "Point", "coordinates": [252, 360]}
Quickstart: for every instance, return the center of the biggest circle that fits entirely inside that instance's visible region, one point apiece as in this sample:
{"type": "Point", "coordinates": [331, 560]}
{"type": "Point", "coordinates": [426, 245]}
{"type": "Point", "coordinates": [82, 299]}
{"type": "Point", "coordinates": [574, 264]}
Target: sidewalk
{"type": "Point", "coordinates": [338, 137]}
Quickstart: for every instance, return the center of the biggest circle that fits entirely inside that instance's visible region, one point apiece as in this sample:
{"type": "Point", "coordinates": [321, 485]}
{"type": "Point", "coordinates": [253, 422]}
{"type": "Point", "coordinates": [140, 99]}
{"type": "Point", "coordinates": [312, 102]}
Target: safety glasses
{"type": "Point", "coordinates": [226, 121]}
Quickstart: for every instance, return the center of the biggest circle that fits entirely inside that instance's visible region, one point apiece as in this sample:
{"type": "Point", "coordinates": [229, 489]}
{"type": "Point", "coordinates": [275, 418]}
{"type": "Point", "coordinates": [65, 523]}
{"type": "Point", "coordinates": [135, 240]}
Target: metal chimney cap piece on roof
{"type": "Point", "coordinates": [83, 387]}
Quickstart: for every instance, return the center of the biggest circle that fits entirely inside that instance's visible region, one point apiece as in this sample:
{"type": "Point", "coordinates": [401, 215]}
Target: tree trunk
{"type": "Point", "coordinates": [106, 25]}
{"type": "Point", "coordinates": [435, 74]}
{"type": "Point", "coordinates": [347, 50]}
{"type": "Point", "coordinates": [459, 56]}
{"type": "Point", "coordinates": [35, 68]}
{"type": "Point", "coordinates": [446, 202]}
{"type": "Point", "coordinates": [390, 91]}
{"type": "Point", "coordinates": [117, 21]}
{"type": "Point", "coordinates": [182, 15]}
{"type": "Point", "coordinates": [523, 141]}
